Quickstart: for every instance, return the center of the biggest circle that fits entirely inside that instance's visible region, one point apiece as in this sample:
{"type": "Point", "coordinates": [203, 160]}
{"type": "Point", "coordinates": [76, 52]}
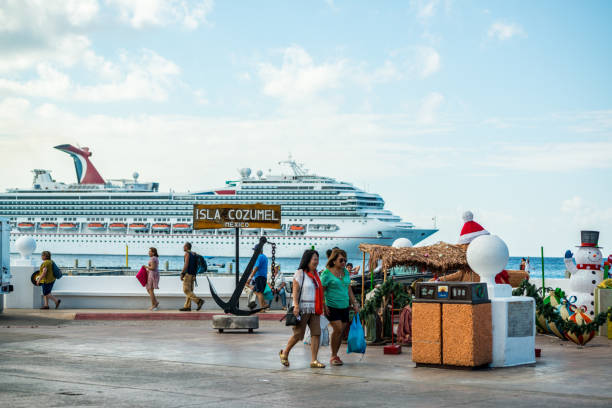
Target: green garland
{"type": "Point", "coordinates": [400, 297]}
{"type": "Point", "coordinates": [551, 315]}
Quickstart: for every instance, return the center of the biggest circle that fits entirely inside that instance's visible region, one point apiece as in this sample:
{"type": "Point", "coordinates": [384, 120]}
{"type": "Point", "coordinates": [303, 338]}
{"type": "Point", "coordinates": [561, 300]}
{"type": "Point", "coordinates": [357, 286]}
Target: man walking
{"type": "Point", "coordinates": [260, 276]}
{"type": "Point", "coordinates": [188, 276]}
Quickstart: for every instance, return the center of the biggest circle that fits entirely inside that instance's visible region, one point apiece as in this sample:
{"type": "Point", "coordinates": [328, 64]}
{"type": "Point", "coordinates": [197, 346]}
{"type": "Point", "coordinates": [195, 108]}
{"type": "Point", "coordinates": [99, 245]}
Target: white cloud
{"type": "Point", "coordinates": [35, 128]}
{"type": "Point", "coordinates": [45, 15]}
{"type": "Point", "coordinates": [426, 8]}
{"type": "Point", "coordinates": [145, 76]}
{"type": "Point", "coordinates": [428, 61]}
{"type": "Point", "coordinates": [599, 121]}
{"type": "Point", "coordinates": [504, 31]}
{"type": "Point", "coordinates": [143, 13]}
{"type": "Point", "coordinates": [298, 77]}
{"type": "Point", "coordinates": [429, 107]}
{"type": "Point", "coordinates": [572, 205]}
{"type": "Point", "coordinates": [557, 157]}
{"type": "Point", "coordinates": [586, 215]}
{"type": "Point", "coordinates": [36, 31]}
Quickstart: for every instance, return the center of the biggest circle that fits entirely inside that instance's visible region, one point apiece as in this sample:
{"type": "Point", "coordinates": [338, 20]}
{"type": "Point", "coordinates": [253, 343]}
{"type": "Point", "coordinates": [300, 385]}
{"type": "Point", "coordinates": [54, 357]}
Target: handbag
{"type": "Point", "coordinates": [290, 318]}
{"type": "Point", "coordinates": [142, 276]}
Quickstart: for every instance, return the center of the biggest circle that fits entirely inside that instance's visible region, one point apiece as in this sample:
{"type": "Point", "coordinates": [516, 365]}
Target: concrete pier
{"type": "Point", "coordinates": [47, 361]}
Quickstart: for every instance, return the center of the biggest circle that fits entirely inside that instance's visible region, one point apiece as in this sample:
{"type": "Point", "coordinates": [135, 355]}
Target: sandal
{"type": "Point", "coordinates": [335, 361]}
{"type": "Point", "coordinates": [58, 303]}
{"type": "Point", "coordinates": [317, 364]}
{"type": "Point", "coordinates": [283, 358]}
{"type": "Point", "coordinates": [44, 308]}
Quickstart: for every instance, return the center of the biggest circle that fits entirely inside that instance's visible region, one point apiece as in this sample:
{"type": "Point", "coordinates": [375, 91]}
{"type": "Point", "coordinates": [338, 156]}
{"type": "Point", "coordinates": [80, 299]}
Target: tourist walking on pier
{"type": "Point", "coordinates": [47, 279]}
{"type": "Point", "coordinates": [307, 307]}
{"type": "Point", "coordinates": [339, 297]}
{"type": "Point", "coordinates": [259, 279]}
{"type": "Point", "coordinates": [153, 277]}
{"type": "Point", "coordinates": [188, 276]}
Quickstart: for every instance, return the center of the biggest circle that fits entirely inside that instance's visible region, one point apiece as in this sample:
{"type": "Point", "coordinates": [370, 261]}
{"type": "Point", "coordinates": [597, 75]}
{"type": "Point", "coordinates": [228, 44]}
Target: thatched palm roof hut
{"type": "Point", "coordinates": [439, 258]}
{"type": "Point", "coordinates": [445, 259]}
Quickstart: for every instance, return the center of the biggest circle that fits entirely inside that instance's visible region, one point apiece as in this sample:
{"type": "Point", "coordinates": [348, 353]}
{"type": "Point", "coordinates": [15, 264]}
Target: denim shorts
{"type": "Point", "coordinates": [46, 288]}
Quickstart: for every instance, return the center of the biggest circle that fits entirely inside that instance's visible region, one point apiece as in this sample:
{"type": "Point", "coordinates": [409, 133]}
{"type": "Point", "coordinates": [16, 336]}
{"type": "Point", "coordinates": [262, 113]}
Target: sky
{"type": "Point", "coordinates": [503, 108]}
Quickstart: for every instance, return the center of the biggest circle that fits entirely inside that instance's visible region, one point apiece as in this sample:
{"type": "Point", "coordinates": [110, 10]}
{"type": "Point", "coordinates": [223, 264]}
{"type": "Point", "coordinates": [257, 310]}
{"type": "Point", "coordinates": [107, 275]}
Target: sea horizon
{"type": "Point", "coordinates": [554, 267]}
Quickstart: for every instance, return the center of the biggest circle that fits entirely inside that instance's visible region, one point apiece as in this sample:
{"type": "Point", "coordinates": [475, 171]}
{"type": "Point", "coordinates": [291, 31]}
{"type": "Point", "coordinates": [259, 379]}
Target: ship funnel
{"type": "Point", "coordinates": [85, 170]}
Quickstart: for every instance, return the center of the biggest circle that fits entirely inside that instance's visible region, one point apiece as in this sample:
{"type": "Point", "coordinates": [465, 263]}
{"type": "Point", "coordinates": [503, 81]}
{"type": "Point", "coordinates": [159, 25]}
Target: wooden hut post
{"type": "Point", "coordinates": [363, 278]}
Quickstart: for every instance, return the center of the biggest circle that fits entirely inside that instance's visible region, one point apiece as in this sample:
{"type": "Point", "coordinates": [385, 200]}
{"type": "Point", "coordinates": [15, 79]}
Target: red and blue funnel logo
{"type": "Point", "coordinates": [85, 170]}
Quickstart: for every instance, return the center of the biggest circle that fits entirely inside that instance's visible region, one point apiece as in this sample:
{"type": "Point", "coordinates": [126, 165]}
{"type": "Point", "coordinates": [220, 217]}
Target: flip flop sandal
{"type": "Point", "coordinates": [317, 364]}
{"type": "Point", "coordinates": [336, 361]}
{"type": "Point", "coordinates": [283, 359]}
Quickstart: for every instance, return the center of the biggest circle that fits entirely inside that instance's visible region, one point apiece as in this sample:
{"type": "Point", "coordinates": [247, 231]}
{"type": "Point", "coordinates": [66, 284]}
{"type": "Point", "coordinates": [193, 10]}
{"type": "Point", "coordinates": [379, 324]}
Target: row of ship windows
{"type": "Point", "coordinates": [169, 201]}
{"type": "Point", "coordinates": [117, 213]}
{"type": "Point", "coordinates": [229, 241]}
{"type": "Point", "coordinates": [179, 207]}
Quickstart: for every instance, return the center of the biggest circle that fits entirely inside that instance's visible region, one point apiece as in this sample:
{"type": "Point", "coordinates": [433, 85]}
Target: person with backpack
{"type": "Point", "coordinates": [46, 278]}
{"type": "Point", "coordinates": [188, 276]}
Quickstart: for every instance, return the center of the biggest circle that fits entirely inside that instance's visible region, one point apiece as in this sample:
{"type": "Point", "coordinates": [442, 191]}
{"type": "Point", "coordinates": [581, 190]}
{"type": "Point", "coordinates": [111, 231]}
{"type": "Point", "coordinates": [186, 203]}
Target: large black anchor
{"type": "Point", "coordinates": [232, 306]}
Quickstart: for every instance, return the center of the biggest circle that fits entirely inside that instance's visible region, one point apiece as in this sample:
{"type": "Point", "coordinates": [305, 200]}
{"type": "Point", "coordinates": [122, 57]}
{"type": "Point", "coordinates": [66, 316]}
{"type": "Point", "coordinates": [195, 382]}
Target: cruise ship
{"type": "Point", "coordinates": [97, 216]}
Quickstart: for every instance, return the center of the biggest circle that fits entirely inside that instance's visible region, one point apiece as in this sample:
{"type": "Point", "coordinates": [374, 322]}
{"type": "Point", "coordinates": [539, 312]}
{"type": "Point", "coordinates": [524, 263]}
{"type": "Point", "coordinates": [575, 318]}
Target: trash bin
{"type": "Point", "coordinates": [451, 324]}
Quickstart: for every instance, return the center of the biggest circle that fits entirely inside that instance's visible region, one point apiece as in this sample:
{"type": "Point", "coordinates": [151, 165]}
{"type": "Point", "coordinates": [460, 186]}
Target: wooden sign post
{"type": "Point", "coordinates": [238, 216]}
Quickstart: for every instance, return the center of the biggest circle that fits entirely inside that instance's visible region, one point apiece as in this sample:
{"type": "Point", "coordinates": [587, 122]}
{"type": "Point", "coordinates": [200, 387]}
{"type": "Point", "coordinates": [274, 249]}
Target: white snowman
{"type": "Point", "coordinates": [587, 272]}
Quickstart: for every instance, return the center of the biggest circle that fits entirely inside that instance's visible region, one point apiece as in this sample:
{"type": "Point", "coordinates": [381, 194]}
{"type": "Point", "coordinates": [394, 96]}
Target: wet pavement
{"type": "Point", "coordinates": [55, 362]}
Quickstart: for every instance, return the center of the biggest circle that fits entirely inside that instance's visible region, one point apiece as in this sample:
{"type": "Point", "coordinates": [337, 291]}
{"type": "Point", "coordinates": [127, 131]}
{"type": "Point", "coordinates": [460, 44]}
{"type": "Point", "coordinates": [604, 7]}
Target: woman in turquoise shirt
{"type": "Point", "coordinates": [339, 297]}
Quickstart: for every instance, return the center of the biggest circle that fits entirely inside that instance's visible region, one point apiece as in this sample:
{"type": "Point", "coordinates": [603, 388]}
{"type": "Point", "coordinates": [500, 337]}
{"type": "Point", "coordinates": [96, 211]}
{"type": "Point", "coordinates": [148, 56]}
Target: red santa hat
{"type": "Point", "coordinates": [471, 229]}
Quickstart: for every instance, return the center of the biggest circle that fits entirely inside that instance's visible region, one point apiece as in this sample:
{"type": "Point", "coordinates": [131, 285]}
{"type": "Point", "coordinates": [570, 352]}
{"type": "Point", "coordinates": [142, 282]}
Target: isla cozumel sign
{"type": "Point", "coordinates": [236, 216]}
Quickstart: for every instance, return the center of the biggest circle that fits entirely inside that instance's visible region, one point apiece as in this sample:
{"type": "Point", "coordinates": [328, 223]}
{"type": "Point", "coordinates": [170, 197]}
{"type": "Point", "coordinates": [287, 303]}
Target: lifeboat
{"type": "Point", "coordinates": [181, 227]}
{"type": "Point", "coordinates": [161, 227]}
{"type": "Point", "coordinates": [25, 226]}
{"type": "Point", "coordinates": [117, 226]}
{"type": "Point", "coordinates": [96, 226]}
{"type": "Point", "coordinates": [296, 228]}
{"type": "Point", "coordinates": [68, 226]}
{"type": "Point", "coordinates": [48, 226]}
{"type": "Point", "coordinates": [138, 227]}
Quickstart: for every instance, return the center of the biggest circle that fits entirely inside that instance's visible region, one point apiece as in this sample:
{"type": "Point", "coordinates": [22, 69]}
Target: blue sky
{"type": "Point", "coordinates": [502, 108]}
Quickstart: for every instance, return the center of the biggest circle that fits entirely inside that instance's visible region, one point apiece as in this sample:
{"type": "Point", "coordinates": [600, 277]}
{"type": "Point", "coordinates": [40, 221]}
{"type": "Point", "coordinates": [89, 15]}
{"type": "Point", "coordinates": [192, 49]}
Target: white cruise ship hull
{"type": "Point", "coordinates": [209, 245]}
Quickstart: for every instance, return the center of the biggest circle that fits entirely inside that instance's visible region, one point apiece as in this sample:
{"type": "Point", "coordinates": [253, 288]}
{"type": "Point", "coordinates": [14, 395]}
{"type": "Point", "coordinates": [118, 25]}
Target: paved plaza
{"type": "Point", "coordinates": [46, 361]}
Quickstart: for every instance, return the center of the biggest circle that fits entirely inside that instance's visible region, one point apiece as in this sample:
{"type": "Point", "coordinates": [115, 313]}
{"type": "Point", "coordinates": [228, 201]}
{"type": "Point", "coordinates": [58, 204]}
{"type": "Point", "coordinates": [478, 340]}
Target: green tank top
{"type": "Point", "coordinates": [336, 290]}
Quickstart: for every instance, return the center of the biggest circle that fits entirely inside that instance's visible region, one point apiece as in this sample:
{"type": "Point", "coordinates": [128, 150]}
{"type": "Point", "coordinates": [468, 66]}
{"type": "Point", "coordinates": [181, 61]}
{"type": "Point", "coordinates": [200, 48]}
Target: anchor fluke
{"type": "Point", "coordinates": [232, 305]}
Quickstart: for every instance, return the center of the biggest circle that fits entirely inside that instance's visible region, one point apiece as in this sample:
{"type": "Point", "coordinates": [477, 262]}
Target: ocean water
{"type": "Point", "coordinates": [553, 267]}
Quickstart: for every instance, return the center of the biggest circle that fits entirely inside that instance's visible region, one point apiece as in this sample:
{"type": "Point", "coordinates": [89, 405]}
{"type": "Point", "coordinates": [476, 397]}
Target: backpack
{"type": "Point", "coordinates": [57, 272]}
{"type": "Point", "coordinates": [201, 266]}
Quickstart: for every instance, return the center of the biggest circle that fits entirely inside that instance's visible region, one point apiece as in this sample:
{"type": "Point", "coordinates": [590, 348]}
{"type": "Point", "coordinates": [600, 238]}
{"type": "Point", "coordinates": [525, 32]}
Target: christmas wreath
{"type": "Point", "coordinates": [400, 297]}
{"type": "Point", "coordinates": [549, 313]}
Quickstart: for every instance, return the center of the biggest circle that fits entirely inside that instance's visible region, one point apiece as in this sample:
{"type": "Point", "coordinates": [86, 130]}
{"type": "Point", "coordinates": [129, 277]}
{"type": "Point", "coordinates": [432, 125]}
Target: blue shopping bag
{"type": "Point", "coordinates": [356, 338]}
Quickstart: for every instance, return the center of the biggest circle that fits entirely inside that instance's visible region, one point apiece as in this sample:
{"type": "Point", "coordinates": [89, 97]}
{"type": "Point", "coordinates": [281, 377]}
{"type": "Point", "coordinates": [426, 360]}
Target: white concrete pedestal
{"type": "Point", "coordinates": [513, 327]}
{"type": "Point", "coordinates": [24, 294]}
{"type": "Point", "coordinates": [222, 322]}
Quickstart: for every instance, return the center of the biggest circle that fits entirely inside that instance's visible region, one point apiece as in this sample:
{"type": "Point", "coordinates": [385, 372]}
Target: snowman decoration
{"type": "Point", "coordinates": [586, 273]}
